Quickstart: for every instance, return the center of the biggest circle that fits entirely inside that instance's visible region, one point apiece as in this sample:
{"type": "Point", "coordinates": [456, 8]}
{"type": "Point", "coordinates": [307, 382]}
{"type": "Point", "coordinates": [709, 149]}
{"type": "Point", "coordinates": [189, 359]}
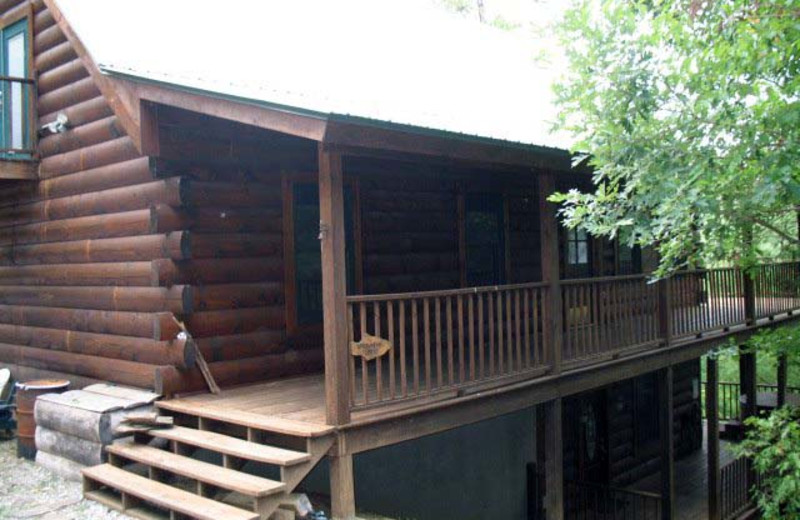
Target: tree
{"type": "Point", "coordinates": [688, 113]}
{"type": "Point", "coordinates": [773, 445]}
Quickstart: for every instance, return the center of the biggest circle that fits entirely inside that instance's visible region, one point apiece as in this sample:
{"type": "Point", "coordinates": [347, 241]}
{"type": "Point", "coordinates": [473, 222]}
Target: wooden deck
{"type": "Point", "coordinates": [692, 485]}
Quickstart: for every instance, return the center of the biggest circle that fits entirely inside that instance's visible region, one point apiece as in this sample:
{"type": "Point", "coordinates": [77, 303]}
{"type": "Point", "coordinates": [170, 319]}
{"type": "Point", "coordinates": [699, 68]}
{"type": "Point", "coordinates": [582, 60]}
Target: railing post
{"type": "Point", "coordinates": [334, 276]}
{"type": "Point", "coordinates": [548, 239]}
{"type": "Point", "coordinates": [666, 423]}
{"type": "Point", "coordinates": [782, 377]}
{"type": "Point", "coordinates": [712, 427]}
{"type": "Point", "coordinates": [554, 460]}
{"type": "Point", "coordinates": [749, 287]}
{"type": "Point", "coordinates": [665, 310]}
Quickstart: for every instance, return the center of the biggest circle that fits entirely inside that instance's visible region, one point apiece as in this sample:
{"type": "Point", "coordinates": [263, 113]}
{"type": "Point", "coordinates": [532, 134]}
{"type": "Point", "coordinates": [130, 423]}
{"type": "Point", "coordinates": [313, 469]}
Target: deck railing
{"type": "Point", "coordinates": [445, 343]}
{"type": "Point", "coordinates": [445, 340]}
{"type": "Point", "coordinates": [730, 407]}
{"type": "Point", "coordinates": [738, 480]}
{"type": "Point", "coordinates": [604, 315]}
{"type": "Point", "coordinates": [585, 501]}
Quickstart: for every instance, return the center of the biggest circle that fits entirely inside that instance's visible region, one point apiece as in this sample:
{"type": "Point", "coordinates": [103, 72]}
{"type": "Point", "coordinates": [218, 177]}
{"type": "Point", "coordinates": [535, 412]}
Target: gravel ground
{"type": "Point", "coordinates": [30, 492]}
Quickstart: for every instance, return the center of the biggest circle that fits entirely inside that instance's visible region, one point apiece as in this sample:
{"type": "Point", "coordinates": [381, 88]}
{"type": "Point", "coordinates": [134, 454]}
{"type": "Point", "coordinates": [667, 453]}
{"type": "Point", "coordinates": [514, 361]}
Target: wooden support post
{"type": "Point", "coordinates": [712, 432]}
{"type": "Point", "coordinates": [665, 310]}
{"type": "Point", "coordinates": [783, 368]}
{"type": "Point", "coordinates": [334, 283]}
{"type": "Point", "coordinates": [554, 460]}
{"type": "Point", "coordinates": [749, 299]}
{"type": "Point", "coordinates": [666, 409]}
{"type": "Point", "coordinates": [548, 239]}
{"type": "Point", "coordinates": [747, 382]}
{"type": "Point", "coordinates": [343, 499]}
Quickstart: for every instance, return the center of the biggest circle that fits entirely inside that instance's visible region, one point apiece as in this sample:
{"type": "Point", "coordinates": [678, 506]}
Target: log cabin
{"type": "Point", "coordinates": [357, 246]}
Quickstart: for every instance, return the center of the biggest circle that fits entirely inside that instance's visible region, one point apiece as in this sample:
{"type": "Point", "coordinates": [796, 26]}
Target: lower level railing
{"type": "Point", "coordinates": [428, 344]}
{"type": "Point", "coordinates": [737, 482]}
{"type": "Point", "coordinates": [585, 501]}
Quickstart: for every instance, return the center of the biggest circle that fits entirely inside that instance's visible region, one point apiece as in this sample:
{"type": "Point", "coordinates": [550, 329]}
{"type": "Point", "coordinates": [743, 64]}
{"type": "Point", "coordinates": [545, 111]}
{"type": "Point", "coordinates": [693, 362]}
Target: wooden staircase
{"type": "Point", "coordinates": [208, 467]}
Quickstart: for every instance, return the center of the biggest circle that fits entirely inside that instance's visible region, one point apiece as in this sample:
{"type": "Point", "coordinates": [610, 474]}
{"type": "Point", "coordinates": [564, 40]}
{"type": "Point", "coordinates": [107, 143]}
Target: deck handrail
{"type": "Point", "coordinates": [590, 500]}
{"type": "Point", "coordinates": [18, 110]}
{"type": "Point", "coordinates": [438, 344]}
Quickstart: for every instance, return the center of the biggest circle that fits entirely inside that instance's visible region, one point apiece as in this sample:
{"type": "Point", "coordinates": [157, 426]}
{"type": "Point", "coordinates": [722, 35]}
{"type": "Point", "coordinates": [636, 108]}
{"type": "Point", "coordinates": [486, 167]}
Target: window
{"type": "Point", "coordinates": [577, 247]}
{"type": "Point", "coordinates": [15, 94]}
{"type": "Point", "coordinates": [629, 260]}
{"type": "Point", "coordinates": [307, 252]}
{"type": "Point", "coordinates": [484, 228]}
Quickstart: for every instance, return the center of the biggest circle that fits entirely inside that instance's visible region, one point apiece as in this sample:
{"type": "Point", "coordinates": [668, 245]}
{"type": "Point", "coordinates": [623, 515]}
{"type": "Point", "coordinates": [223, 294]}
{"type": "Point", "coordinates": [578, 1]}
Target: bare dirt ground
{"type": "Point", "coordinates": [30, 492]}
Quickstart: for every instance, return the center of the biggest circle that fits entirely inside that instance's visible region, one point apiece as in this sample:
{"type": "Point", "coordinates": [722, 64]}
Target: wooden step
{"type": "Point", "coordinates": [232, 446]}
{"type": "Point", "coordinates": [163, 495]}
{"type": "Point", "coordinates": [113, 501]}
{"type": "Point", "coordinates": [224, 478]}
{"type": "Point", "coordinates": [247, 419]}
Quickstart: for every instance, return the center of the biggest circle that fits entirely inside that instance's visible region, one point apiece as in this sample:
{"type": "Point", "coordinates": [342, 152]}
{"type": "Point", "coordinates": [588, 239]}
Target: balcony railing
{"type": "Point", "coordinates": [585, 501]}
{"type": "Point", "coordinates": [738, 480]}
{"type": "Point", "coordinates": [440, 344]}
{"type": "Point", "coordinates": [17, 118]}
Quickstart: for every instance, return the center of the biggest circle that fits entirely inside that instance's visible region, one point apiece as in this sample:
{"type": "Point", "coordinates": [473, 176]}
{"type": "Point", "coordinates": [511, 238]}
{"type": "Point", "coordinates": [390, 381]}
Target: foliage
{"type": "Point", "coordinates": [688, 113]}
{"type": "Point", "coordinates": [773, 444]}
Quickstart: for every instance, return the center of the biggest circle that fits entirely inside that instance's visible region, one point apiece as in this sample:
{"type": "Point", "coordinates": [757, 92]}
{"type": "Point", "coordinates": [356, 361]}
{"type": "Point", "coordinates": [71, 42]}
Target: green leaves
{"type": "Point", "coordinates": [688, 113]}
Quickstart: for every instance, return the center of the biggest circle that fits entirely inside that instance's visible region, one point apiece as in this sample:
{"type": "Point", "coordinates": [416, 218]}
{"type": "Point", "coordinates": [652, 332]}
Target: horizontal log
{"type": "Point", "coordinates": [55, 56]}
{"type": "Point", "coordinates": [177, 299]}
{"type": "Point", "coordinates": [80, 114]}
{"type": "Point", "coordinates": [240, 346]}
{"type": "Point", "coordinates": [42, 20]}
{"type": "Point", "coordinates": [126, 249]}
{"type": "Point", "coordinates": [78, 422]}
{"type": "Point", "coordinates": [129, 223]}
{"type": "Point", "coordinates": [241, 371]}
{"type": "Point", "coordinates": [218, 220]}
{"type": "Point", "coordinates": [178, 352]}
{"type": "Point", "coordinates": [410, 243]}
{"type": "Point", "coordinates": [125, 274]}
{"type": "Point", "coordinates": [102, 154]}
{"type": "Point", "coordinates": [64, 468]}
{"type": "Point", "coordinates": [137, 324]}
{"type": "Point", "coordinates": [127, 198]}
{"type": "Point", "coordinates": [90, 134]}
{"type": "Point", "coordinates": [116, 175]}
{"type": "Point", "coordinates": [229, 195]}
{"type": "Point", "coordinates": [238, 321]}
{"type": "Point", "coordinates": [165, 327]}
{"type": "Point", "coordinates": [246, 245]}
{"type": "Point", "coordinates": [68, 447]}
{"type": "Point", "coordinates": [131, 373]}
{"type": "Point", "coordinates": [218, 270]}
{"type": "Point", "coordinates": [237, 296]}
{"type": "Point", "coordinates": [79, 91]}
{"type": "Point", "coordinates": [46, 39]}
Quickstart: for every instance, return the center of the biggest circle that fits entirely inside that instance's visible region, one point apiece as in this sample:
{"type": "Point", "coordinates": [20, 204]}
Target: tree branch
{"type": "Point", "coordinates": [776, 230]}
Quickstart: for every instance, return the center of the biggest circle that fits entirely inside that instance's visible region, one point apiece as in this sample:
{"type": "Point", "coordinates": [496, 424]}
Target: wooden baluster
{"type": "Point", "coordinates": [352, 360]}
{"type": "Point", "coordinates": [471, 324]}
{"type": "Point", "coordinates": [426, 329]}
{"type": "Point", "coordinates": [390, 324]}
{"type": "Point", "coordinates": [509, 334]}
{"type": "Point", "coordinates": [567, 345]}
{"type": "Point", "coordinates": [526, 296]}
{"type": "Point", "coordinates": [362, 318]}
{"type": "Point", "coordinates": [415, 345]}
{"type": "Point", "coordinates": [450, 332]}
{"type": "Point", "coordinates": [439, 353]}
{"type": "Point", "coordinates": [403, 330]}
{"type": "Point", "coordinates": [500, 345]}
{"type": "Point", "coordinates": [481, 342]}
{"type": "Point", "coordinates": [547, 349]}
{"type": "Point", "coordinates": [376, 316]}
{"type": "Point", "coordinates": [536, 342]}
{"type": "Point", "coordinates": [517, 330]}
{"type": "Point", "coordinates": [490, 319]}
{"type": "Point", "coordinates": [460, 312]}
{"type": "Point", "coordinates": [595, 320]}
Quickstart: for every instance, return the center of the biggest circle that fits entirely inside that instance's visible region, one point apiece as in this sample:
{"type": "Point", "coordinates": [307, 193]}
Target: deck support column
{"type": "Point", "coordinates": [334, 286]}
{"type": "Point", "coordinates": [712, 436]}
{"type": "Point", "coordinates": [783, 368]}
{"type": "Point", "coordinates": [666, 422]}
{"type": "Point", "coordinates": [554, 460]}
{"type": "Point", "coordinates": [548, 239]}
{"type": "Point", "coordinates": [343, 498]}
{"type": "Point", "coordinates": [747, 381]}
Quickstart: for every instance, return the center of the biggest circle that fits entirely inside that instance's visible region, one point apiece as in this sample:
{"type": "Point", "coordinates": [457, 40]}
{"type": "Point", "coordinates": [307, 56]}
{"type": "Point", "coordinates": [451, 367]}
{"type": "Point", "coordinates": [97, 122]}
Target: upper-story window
{"type": "Point", "coordinates": [577, 253]}
{"type": "Point", "coordinates": [16, 92]}
{"type": "Point", "coordinates": [484, 239]}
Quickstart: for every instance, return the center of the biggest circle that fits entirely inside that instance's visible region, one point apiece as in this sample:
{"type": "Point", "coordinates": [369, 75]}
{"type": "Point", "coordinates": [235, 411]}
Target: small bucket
{"type": "Point", "coordinates": [27, 393]}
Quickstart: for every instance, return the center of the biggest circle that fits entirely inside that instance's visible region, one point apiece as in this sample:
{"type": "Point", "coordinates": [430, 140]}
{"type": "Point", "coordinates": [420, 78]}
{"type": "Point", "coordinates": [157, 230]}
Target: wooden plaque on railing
{"type": "Point", "coordinates": [370, 347]}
